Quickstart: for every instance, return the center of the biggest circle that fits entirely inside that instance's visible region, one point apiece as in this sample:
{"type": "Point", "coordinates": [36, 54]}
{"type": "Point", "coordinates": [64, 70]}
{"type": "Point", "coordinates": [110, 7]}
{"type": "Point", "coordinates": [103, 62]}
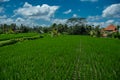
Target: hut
{"type": "Point", "coordinates": [109, 30]}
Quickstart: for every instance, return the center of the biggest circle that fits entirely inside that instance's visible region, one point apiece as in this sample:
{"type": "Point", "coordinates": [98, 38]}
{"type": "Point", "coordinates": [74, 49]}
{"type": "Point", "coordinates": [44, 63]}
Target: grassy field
{"type": "Point", "coordinates": [61, 58]}
{"type": "Point", "coordinates": [13, 36]}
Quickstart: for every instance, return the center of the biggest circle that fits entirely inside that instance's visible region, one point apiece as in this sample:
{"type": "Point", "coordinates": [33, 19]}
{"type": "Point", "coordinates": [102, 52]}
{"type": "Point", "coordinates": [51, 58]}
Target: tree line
{"type": "Point", "coordinates": [73, 26]}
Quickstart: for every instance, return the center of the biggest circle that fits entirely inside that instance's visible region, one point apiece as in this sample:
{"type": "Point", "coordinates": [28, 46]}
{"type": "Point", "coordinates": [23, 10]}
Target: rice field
{"type": "Point", "coordinates": [13, 36]}
{"type": "Point", "coordinates": [67, 57]}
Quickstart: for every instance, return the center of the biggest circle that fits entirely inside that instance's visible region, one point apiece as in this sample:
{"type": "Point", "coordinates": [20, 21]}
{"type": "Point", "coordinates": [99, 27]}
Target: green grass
{"type": "Point", "coordinates": [61, 58]}
{"type": "Point", "coordinates": [13, 36]}
{"type": "Point", "coordinates": [13, 41]}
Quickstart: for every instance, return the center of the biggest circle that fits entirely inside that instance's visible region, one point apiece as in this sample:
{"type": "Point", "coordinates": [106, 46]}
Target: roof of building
{"type": "Point", "coordinates": [110, 28]}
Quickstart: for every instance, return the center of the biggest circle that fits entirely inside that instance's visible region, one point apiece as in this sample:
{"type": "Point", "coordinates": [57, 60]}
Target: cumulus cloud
{"type": "Point", "coordinates": [68, 11]}
{"type": "Point", "coordinates": [59, 21]}
{"type": "Point", "coordinates": [104, 24]}
{"type": "Point", "coordinates": [96, 23]}
{"type": "Point", "coordinates": [19, 19]}
{"type": "Point", "coordinates": [6, 21]}
{"type": "Point", "coordinates": [3, 17]}
{"type": "Point", "coordinates": [37, 12]}
{"type": "Point", "coordinates": [89, 0]}
{"type": "Point", "coordinates": [4, 0]}
{"type": "Point", "coordinates": [27, 5]}
{"type": "Point", "coordinates": [94, 18]}
{"type": "Point", "coordinates": [112, 11]}
{"type": "Point", "coordinates": [27, 22]}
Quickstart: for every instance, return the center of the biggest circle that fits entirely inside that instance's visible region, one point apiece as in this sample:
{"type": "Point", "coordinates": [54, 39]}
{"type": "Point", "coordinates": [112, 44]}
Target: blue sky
{"type": "Point", "coordinates": [46, 12]}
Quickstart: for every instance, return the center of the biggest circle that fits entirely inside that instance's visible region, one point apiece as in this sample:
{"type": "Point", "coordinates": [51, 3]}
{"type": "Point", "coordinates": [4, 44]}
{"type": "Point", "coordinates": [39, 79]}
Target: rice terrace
{"type": "Point", "coordinates": [50, 40]}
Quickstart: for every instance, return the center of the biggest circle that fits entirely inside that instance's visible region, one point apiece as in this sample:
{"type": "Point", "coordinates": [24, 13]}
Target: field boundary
{"type": "Point", "coordinates": [13, 41]}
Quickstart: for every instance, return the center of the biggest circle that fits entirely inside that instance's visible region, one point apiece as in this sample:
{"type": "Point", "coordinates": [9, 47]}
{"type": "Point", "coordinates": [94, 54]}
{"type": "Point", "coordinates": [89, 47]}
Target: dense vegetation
{"type": "Point", "coordinates": [8, 39]}
{"type": "Point", "coordinates": [13, 36]}
{"type": "Point", "coordinates": [74, 26]}
{"type": "Point", "coordinates": [67, 57]}
{"type": "Point", "coordinates": [58, 52]}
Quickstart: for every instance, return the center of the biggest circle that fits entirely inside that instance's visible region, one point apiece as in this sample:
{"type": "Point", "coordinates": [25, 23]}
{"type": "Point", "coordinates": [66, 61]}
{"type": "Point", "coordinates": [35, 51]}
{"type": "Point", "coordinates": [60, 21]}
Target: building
{"type": "Point", "coordinates": [109, 30]}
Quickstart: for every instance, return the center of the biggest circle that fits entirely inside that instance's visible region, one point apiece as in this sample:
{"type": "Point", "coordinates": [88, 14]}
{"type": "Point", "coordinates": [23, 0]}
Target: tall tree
{"type": "Point", "coordinates": [76, 21]}
{"type": "Point", "coordinates": [78, 25]}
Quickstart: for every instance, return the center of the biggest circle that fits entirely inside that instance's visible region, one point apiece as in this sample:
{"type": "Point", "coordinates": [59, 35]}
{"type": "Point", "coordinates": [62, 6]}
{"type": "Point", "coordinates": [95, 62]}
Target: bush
{"type": "Point", "coordinates": [116, 35]}
{"type": "Point", "coordinates": [93, 33]}
{"type": "Point", "coordinates": [110, 35]}
{"type": "Point", "coordinates": [1, 31]}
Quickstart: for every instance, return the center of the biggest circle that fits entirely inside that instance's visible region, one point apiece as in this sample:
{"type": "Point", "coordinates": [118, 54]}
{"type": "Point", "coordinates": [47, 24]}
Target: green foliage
{"type": "Point", "coordinates": [24, 29]}
{"type": "Point", "coordinates": [93, 33]}
{"type": "Point", "coordinates": [54, 33]}
{"type": "Point", "coordinates": [76, 21]}
{"type": "Point", "coordinates": [1, 31]}
{"type": "Point", "coordinates": [10, 31]}
{"type": "Point", "coordinates": [97, 29]}
{"type": "Point", "coordinates": [62, 58]}
{"type": "Point", "coordinates": [116, 35]}
{"type": "Point", "coordinates": [96, 32]}
{"type": "Point", "coordinates": [79, 30]}
{"type": "Point", "coordinates": [46, 29]}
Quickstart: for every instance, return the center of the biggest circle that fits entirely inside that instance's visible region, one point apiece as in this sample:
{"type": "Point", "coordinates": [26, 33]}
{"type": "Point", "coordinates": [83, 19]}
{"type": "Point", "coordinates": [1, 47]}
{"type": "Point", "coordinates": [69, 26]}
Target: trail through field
{"type": "Point", "coordinates": [92, 64]}
{"type": "Point", "coordinates": [61, 58]}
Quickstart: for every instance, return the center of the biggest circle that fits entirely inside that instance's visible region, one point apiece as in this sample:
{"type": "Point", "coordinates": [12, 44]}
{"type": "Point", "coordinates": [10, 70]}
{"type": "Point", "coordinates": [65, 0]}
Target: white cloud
{"type": "Point", "coordinates": [109, 21]}
{"type": "Point", "coordinates": [19, 19]}
{"type": "Point", "coordinates": [3, 17]}
{"type": "Point", "coordinates": [37, 12]}
{"type": "Point", "coordinates": [96, 23]}
{"type": "Point", "coordinates": [89, 0]}
{"type": "Point", "coordinates": [27, 22]}
{"type": "Point", "coordinates": [105, 23]}
{"type": "Point", "coordinates": [6, 21]}
{"type": "Point", "coordinates": [68, 11]}
{"type": "Point", "coordinates": [4, 0]}
{"type": "Point", "coordinates": [94, 18]}
{"type": "Point", "coordinates": [27, 5]}
{"type": "Point", "coordinates": [112, 11]}
{"type": "Point", "coordinates": [99, 20]}
{"type": "Point", "coordinates": [59, 21]}
{"type": "Point", "coordinates": [44, 25]}
{"type": "Point", "coordinates": [74, 15]}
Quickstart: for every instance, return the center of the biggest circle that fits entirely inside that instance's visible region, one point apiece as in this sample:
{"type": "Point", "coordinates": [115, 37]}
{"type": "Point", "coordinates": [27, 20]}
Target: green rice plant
{"type": "Point", "coordinates": [8, 42]}
{"type": "Point", "coordinates": [67, 57]}
{"type": "Point", "coordinates": [14, 36]}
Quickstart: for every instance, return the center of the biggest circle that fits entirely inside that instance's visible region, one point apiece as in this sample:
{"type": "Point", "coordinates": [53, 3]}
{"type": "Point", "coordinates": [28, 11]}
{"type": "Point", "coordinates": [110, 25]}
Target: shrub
{"type": "Point", "coordinates": [1, 31]}
{"type": "Point", "coordinates": [116, 35]}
